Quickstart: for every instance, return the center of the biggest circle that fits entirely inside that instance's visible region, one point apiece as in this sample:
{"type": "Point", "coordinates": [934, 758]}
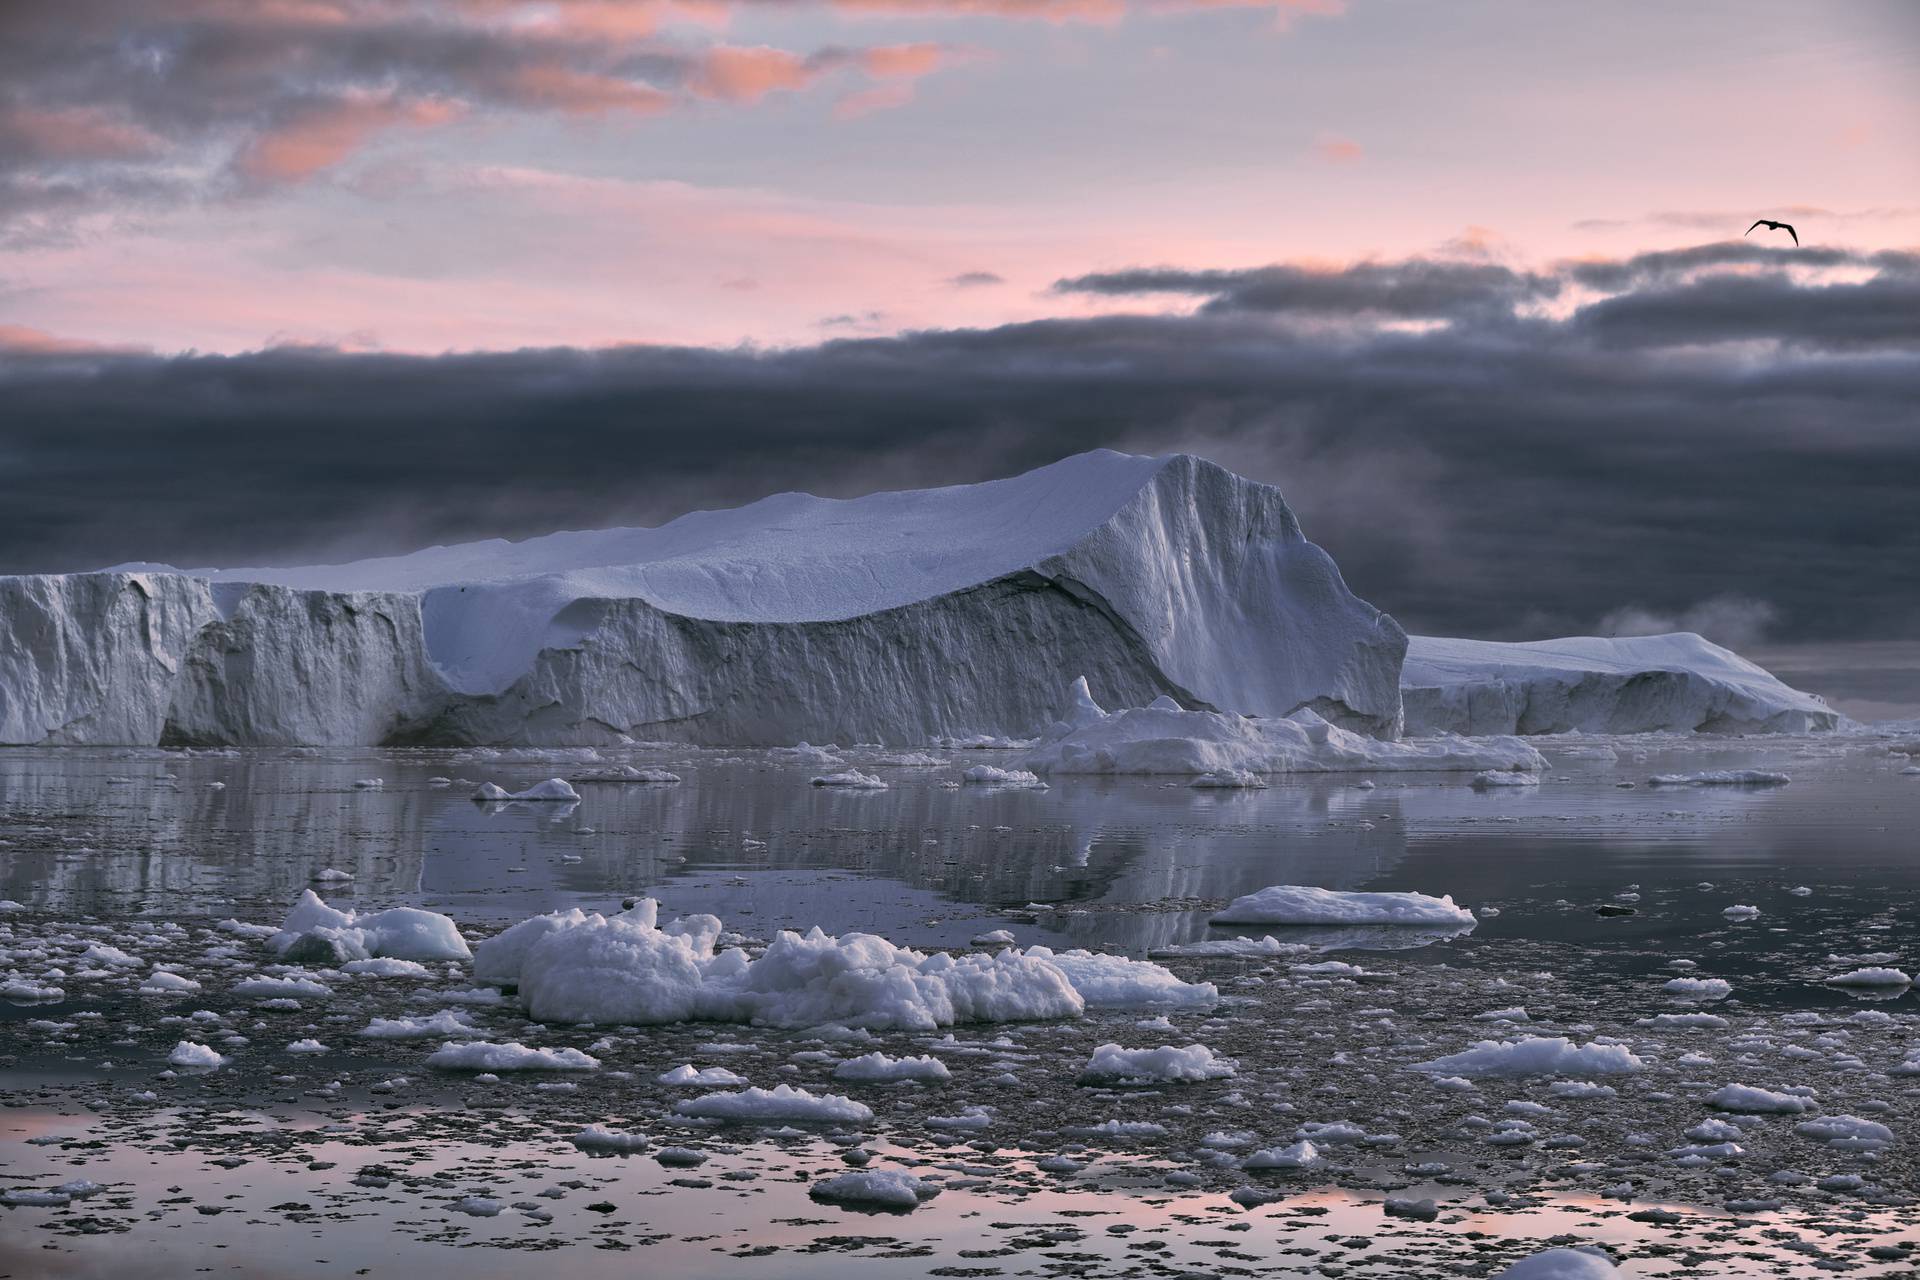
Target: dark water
{"type": "Point", "coordinates": [260, 1168]}
{"type": "Point", "coordinates": [1119, 864]}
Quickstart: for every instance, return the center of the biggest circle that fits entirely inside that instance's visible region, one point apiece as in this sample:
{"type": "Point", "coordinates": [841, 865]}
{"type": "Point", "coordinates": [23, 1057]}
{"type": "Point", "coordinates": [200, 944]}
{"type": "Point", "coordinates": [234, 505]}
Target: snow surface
{"type": "Point", "coordinates": [1590, 684]}
{"type": "Point", "coordinates": [1305, 905]}
{"type": "Point", "coordinates": [1164, 738]}
{"type": "Point", "coordinates": [963, 609]}
{"type": "Point", "coordinates": [571, 966]}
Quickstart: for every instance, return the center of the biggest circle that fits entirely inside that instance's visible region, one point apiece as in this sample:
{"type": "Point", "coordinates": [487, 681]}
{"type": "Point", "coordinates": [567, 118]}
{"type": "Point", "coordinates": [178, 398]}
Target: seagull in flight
{"type": "Point", "coordinates": [1771, 225]}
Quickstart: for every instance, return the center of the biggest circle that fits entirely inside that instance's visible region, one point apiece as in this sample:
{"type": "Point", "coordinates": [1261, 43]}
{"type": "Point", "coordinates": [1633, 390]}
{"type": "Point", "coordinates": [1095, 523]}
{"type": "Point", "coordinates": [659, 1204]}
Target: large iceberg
{"type": "Point", "coordinates": [1590, 684]}
{"type": "Point", "coordinates": [898, 616]}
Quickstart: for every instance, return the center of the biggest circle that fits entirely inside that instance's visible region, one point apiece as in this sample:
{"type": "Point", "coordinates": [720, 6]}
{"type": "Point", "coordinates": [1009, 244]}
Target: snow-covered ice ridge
{"type": "Point", "coordinates": [1591, 684]}
{"type": "Point", "coordinates": [898, 616]}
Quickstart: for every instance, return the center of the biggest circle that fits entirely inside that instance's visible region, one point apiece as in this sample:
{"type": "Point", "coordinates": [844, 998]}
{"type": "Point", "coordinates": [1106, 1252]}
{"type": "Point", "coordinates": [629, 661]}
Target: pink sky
{"type": "Point", "coordinates": [599, 172]}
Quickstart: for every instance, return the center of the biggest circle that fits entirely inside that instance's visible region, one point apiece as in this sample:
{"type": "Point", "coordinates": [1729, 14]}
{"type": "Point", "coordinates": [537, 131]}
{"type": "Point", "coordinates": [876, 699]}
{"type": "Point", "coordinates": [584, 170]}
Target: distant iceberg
{"type": "Point", "coordinates": [1590, 684]}
{"type": "Point", "coordinates": [899, 617]}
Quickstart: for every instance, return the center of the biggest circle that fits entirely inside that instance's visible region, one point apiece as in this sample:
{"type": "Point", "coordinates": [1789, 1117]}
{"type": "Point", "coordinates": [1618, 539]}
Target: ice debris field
{"type": "Point", "coordinates": [1169, 913]}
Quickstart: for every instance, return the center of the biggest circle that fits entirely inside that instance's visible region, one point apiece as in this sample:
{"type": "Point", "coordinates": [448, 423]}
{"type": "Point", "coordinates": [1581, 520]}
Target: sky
{"type": "Point", "coordinates": [296, 279]}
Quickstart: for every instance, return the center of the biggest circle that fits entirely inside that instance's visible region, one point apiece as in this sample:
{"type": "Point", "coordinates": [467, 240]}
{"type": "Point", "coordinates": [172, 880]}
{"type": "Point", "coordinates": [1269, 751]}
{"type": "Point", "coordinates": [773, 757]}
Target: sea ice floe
{"type": "Point", "coordinates": [884, 1188]}
{"type": "Point", "coordinates": [1751, 1101]}
{"type": "Point", "coordinates": [597, 1137]}
{"type": "Point", "coordinates": [878, 1067]}
{"type": "Point", "coordinates": [194, 1056]}
{"type": "Point", "coordinates": [1698, 988]}
{"type": "Point", "coordinates": [314, 931]}
{"type": "Point", "coordinates": [481, 1055]}
{"type": "Point", "coordinates": [851, 779]}
{"type": "Point", "coordinates": [553, 789]}
{"type": "Point", "coordinates": [1111, 1064]}
{"type": "Point", "coordinates": [782, 1102]}
{"type": "Point", "coordinates": [574, 967]}
{"type": "Point", "coordinates": [1721, 778]}
{"type": "Point", "coordinates": [1305, 905]}
{"type": "Point", "coordinates": [1872, 977]}
{"type": "Point", "coordinates": [993, 776]}
{"type": "Point", "coordinates": [1537, 1055]}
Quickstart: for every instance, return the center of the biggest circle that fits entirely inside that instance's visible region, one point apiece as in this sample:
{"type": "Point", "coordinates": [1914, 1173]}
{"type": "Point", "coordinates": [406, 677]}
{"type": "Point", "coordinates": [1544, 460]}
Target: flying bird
{"type": "Point", "coordinates": [1771, 225]}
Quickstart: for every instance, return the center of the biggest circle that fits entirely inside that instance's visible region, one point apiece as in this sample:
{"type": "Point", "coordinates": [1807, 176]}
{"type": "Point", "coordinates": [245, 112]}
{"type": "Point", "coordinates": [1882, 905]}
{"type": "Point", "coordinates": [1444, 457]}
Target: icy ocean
{"type": "Point", "coordinates": [1634, 1041]}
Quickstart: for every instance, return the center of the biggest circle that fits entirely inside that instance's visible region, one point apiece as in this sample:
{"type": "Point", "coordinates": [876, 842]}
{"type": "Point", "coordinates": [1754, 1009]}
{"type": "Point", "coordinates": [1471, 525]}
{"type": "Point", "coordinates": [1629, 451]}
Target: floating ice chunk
{"type": "Point", "coordinates": [331, 875]}
{"type": "Point", "coordinates": [387, 967]}
{"type": "Point", "coordinates": [1163, 739]}
{"type": "Point", "coordinates": [851, 779]}
{"type": "Point", "coordinates": [1844, 1129]}
{"type": "Point", "coordinates": [1266, 945]}
{"type": "Point", "coordinates": [782, 1102]}
{"type": "Point", "coordinates": [197, 1057]}
{"type": "Point", "coordinates": [287, 986]}
{"type": "Point", "coordinates": [705, 1077]}
{"type": "Point", "coordinates": [573, 967]}
{"type": "Point", "coordinates": [1301, 1155]}
{"type": "Point", "coordinates": [478, 1206]}
{"type": "Point", "coordinates": [1721, 778]}
{"type": "Point", "coordinates": [553, 789]}
{"type": "Point", "coordinates": [1872, 977]}
{"type": "Point", "coordinates": [162, 983]}
{"type": "Point", "coordinates": [1738, 912]}
{"type": "Point", "coordinates": [994, 938]}
{"type": "Point", "coordinates": [1229, 780]}
{"type": "Point", "coordinates": [480, 1055]}
{"type": "Point", "coordinates": [399, 933]}
{"type": "Point", "coordinates": [447, 1022]}
{"type": "Point", "coordinates": [878, 1067]}
{"type": "Point", "coordinates": [1562, 1264]}
{"type": "Point", "coordinates": [1537, 1055]}
{"type": "Point", "coordinates": [883, 1188]}
{"type": "Point", "coordinates": [1115, 982]}
{"type": "Point", "coordinates": [1748, 1100]}
{"type": "Point", "coordinates": [993, 776]}
{"type": "Point", "coordinates": [100, 954]}
{"type": "Point", "coordinates": [1698, 988]}
{"type": "Point", "coordinates": [1111, 1064]}
{"type": "Point", "coordinates": [597, 1137]}
{"type": "Point", "coordinates": [1687, 1020]}
{"type": "Point", "coordinates": [1305, 905]}
{"type": "Point", "coordinates": [1504, 778]}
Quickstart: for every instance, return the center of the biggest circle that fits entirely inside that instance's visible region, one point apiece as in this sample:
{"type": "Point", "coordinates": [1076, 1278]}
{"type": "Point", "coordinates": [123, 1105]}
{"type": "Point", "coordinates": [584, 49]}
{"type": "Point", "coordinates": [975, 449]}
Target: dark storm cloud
{"type": "Point", "coordinates": [1503, 478]}
{"type": "Point", "coordinates": [1417, 289]}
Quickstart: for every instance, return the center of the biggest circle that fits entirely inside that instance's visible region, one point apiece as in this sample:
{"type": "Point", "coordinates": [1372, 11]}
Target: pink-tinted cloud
{"type": "Point", "coordinates": [1337, 150]}
{"type": "Point", "coordinates": [733, 73]}
{"type": "Point", "coordinates": [72, 134]}
{"type": "Point", "coordinates": [559, 88]}
{"type": "Point", "coordinates": [318, 137]}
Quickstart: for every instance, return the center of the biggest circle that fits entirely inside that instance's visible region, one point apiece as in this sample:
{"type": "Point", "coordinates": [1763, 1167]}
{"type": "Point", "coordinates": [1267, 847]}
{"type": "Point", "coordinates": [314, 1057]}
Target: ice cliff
{"type": "Point", "coordinates": [1589, 684]}
{"type": "Point", "coordinates": [899, 617]}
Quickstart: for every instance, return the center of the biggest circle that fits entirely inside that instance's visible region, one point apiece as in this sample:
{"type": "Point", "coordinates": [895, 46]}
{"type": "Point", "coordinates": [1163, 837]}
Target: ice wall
{"type": "Point", "coordinates": [897, 617]}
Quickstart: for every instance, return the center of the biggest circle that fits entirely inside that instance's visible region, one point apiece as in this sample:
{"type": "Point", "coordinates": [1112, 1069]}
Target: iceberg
{"type": "Point", "coordinates": [1165, 738]}
{"type": "Point", "coordinates": [629, 969]}
{"type": "Point", "coordinates": [952, 613]}
{"type": "Point", "coordinates": [1591, 684]}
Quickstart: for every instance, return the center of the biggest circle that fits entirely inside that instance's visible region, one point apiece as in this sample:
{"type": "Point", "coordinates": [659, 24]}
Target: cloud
{"type": "Point", "coordinates": [1492, 474]}
{"type": "Point", "coordinates": [1738, 622]}
{"type": "Point", "coordinates": [1414, 289]}
{"type": "Point", "coordinates": [1337, 150]}
{"type": "Point", "coordinates": [975, 280]}
{"type": "Point", "coordinates": [119, 101]}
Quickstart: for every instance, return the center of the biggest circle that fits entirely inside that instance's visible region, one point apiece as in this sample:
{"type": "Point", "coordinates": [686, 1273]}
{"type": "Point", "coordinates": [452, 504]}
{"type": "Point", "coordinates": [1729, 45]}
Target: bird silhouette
{"type": "Point", "coordinates": [1771, 225]}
